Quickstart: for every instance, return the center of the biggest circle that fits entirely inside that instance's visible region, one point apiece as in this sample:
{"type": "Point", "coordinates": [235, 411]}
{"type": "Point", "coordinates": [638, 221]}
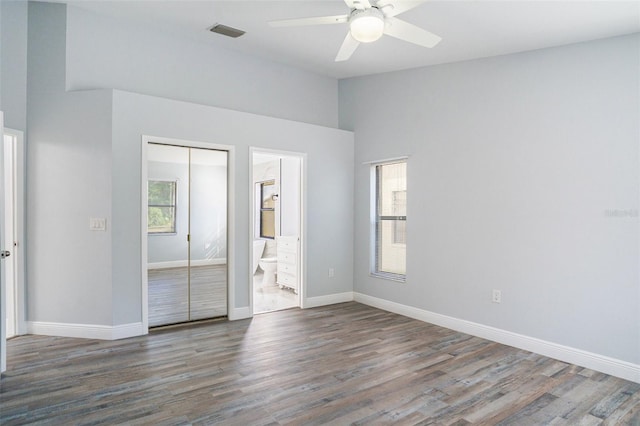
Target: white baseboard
{"type": "Point", "coordinates": [184, 263]}
{"type": "Point", "coordinates": [330, 299]}
{"type": "Point", "coordinates": [124, 331]}
{"type": "Point", "coordinates": [240, 313]}
{"type": "Point", "coordinates": [604, 364]}
{"type": "Point", "coordinates": [86, 331]}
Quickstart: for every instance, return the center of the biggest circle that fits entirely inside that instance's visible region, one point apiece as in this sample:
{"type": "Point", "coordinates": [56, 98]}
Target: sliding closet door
{"type": "Point", "coordinates": [167, 232]}
{"type": "Point", "coordinates": [187, 234]}
{"type": "Point", "coordinates": [208, 245]}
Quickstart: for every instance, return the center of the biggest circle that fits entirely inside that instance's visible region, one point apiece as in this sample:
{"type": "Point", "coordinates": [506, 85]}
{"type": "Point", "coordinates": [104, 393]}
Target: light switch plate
{"type": "Point", "coordinates": [97, 224]}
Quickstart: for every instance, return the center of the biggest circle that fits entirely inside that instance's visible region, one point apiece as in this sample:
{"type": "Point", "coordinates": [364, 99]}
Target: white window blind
{"type": "Point", "coordinates": [390, 219]}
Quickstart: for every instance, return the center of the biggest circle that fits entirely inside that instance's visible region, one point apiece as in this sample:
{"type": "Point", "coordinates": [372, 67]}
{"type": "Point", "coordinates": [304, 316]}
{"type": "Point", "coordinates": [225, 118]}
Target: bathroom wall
{"type": "Point", "coordinates": [262, 172]}
{"type": "Point", "coordinates": [285, 170]}
{"type": "Point", "coordinates": [290, 196]}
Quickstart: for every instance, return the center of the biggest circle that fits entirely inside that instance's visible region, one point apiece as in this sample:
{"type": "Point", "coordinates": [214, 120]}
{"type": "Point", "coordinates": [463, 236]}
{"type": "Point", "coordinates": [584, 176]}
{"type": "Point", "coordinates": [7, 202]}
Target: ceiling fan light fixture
{"type": "Point", "coordinates": [366, 25]}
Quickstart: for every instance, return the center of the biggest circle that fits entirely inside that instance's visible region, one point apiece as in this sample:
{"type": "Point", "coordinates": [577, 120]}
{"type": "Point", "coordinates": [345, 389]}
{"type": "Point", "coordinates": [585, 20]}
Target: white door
{"type": "Point", "coordinates": [8, 237]}
{"type": "Point", "coordinates": [13, 226]}
{"type": "Point", "coordinates": [3, 297]}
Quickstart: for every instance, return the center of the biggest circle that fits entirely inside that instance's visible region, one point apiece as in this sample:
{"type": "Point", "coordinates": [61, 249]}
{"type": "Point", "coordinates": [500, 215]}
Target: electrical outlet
{"type": "Point", "coordinates": [97, 224]}
{"type": "Point", "coordinates": [331, 273]}
{"type": "Point", "coordinates": [496, 296]}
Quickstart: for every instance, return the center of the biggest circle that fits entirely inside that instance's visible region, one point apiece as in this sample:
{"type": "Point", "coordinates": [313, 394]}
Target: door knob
{"type": "Point", "coordinates": [4, 253]}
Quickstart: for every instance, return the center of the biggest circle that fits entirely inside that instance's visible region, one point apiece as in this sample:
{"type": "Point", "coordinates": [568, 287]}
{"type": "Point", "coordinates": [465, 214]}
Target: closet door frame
{"type": "Point", "coordinates": [144, 175]}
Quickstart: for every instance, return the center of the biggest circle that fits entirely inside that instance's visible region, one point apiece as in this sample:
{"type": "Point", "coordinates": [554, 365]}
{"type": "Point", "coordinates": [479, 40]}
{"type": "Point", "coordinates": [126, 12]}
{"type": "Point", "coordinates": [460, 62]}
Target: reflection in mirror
{"type": "Point", "coordinates": [268, 198]}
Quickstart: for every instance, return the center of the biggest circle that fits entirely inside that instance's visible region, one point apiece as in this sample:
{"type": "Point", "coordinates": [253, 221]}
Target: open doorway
{"type": "Point", "coordinates": [13, 264]}
{"type": "Point", "coordinates": [277, 230]}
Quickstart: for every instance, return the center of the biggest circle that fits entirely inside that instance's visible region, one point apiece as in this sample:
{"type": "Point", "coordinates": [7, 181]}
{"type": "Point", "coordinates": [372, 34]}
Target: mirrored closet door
{"type": "Point", "coordinates": [187, 234]}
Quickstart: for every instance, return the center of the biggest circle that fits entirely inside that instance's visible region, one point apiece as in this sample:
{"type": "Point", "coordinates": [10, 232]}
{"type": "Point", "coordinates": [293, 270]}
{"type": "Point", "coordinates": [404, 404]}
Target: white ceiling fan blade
{"type": "Point", "coordinates": [349, 45]}
{"type": "Point", "coordinates": [358, 4]}
{"type": "Point", "coordinates": [408, 32]}
{"type": "Point", "coordinates": [392, 8]}
{"type": "Point", "coordinates": [320, 20]}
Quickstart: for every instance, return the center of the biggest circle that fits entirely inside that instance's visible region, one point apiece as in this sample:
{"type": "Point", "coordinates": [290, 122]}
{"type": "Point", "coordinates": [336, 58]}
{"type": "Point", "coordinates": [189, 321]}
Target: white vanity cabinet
{"type": "Point", "coordinates": [288, 272]}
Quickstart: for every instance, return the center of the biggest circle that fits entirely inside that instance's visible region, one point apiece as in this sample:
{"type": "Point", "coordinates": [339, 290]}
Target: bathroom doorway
{"type": "Point", "coordinates": [187, 198]}
{"type": "Point", "coordinates": [277, 230]}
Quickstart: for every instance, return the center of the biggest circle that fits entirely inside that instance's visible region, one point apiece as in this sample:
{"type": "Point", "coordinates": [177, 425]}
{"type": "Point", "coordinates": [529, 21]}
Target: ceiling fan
{"type": "Point", "coordinates": [368, 21]}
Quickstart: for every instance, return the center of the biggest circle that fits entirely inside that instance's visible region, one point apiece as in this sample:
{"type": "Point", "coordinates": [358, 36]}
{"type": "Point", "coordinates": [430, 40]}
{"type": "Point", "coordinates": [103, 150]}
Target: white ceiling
{"type": "Point", "coordinates": [469, 29]}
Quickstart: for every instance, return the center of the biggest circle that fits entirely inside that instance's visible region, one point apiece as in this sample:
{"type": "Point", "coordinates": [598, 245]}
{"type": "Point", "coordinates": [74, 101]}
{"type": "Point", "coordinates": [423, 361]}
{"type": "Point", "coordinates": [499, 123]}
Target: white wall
{"type": "Point", "coordinates": [330, 225]}
{"type": "Point", "coordinates": [516, 165]}
{"type": "Point", "coordinates": [68, 181]}
{"type": "Point", "coordinates": [13, 63]}
{"type": "Point", "coordinates": [106, 53]}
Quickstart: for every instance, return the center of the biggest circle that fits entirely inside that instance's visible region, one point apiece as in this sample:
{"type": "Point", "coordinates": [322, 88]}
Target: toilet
{"type": "Point", "coordinates": [269, 266]}
{"type": "Point", "coordinates": [258, 249]}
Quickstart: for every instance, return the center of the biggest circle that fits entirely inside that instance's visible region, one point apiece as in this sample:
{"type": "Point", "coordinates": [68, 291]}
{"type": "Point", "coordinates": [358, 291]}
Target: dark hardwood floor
{"type": "Point", "coordinates": [340, 364]}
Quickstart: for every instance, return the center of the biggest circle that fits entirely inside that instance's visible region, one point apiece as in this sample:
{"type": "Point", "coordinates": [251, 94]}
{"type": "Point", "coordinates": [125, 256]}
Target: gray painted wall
{"type": "Point", "coordinates": [516, 165]}
{"type": "Point", "coordinates": [107, 53]}
{"type": "Point", "coordinates": [13, 63]}
{"type": "Point", "coordinates": [84, 160]}
{"type": "Point", "coordinates": [68, 181]}
{"type": "Point", "coordinates": [330, 225]}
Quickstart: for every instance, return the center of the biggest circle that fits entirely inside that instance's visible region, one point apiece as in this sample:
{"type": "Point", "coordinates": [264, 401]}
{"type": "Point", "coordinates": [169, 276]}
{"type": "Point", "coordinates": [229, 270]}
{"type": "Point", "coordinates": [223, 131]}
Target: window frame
{"type": "Point", "coordinates": [174, 206]}
{"type": "Point", "coordinates": [377, 219]}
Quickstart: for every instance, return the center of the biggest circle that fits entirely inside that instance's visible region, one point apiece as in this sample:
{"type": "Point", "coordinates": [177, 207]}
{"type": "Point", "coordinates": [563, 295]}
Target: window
{"type": "Point", "coordinates": [389, 213]}
{"type": "Point", "coordinates": [400, 209]}
{"type": "Point", "coordinates": [162, 207]}
{"type": "Point", "coordinates": [268, 199]}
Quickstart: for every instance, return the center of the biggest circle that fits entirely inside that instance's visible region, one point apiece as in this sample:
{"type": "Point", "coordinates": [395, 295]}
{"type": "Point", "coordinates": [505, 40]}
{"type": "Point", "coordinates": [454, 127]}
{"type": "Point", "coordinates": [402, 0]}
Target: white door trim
{"type": "Point", "coordinates": [18, 248]}
{"type": "Point", "coordinates": [146, 139]}
{"type": "Point", "coordinates": [3, 309]}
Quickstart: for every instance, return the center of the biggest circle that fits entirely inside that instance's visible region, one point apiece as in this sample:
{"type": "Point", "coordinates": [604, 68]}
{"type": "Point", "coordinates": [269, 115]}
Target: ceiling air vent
{"type": "Point", "coordinates": [227, 31]}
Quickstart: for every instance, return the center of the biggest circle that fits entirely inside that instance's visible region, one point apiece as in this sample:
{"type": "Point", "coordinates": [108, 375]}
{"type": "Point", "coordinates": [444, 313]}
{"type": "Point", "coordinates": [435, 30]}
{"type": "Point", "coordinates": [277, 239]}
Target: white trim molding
{"type": "Point", "coordinates": [329, 299]}
{"type": "Point", "coordinates": [604, 364]}
{"type": "Point", "coordinates": [240, 313]}
{"type": "Point", "coordinates": [86, 331]}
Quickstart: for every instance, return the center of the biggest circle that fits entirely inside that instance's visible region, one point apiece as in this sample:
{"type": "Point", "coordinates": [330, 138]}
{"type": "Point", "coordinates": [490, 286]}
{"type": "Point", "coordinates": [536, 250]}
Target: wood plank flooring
{"type": "Point", "coordinates": [169, 294]}
{"type": "Point", "coordinates": [340, 364]}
